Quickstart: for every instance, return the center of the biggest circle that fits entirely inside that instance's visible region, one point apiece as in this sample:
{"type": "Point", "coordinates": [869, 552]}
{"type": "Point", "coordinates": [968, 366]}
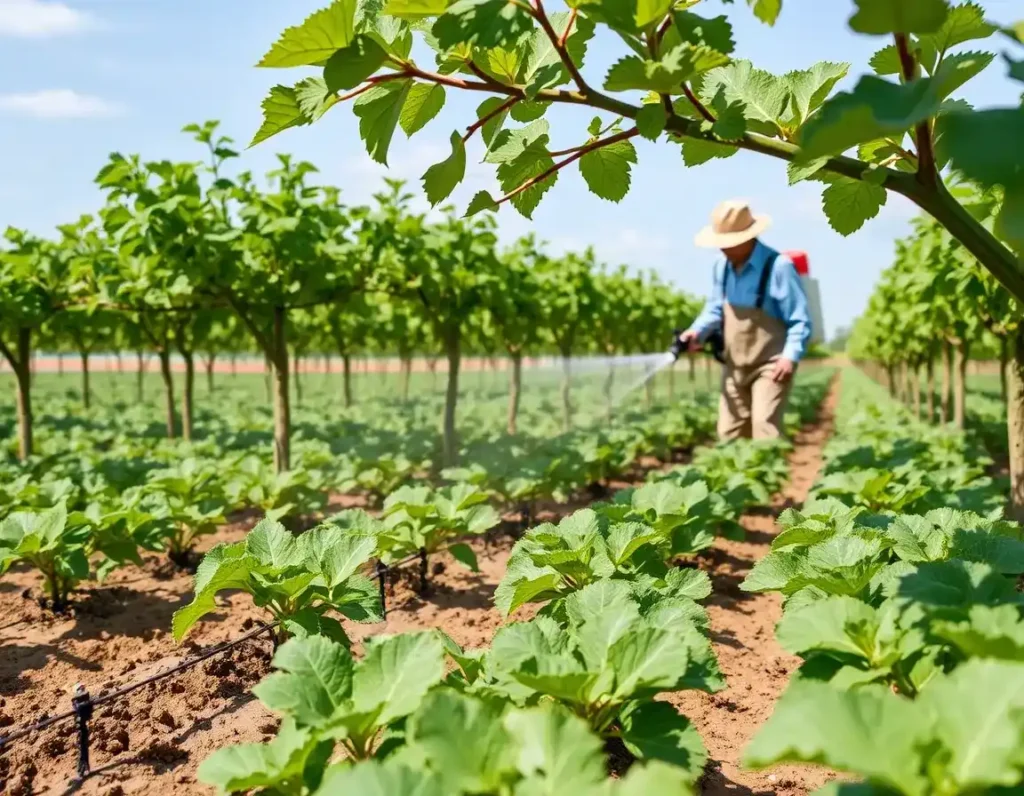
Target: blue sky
{"type": "Point", "coordinates": [82, 78]}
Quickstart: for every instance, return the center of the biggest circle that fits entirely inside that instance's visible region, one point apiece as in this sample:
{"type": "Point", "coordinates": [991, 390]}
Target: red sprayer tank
{"type": "Point", "coordinates": [803, 268]}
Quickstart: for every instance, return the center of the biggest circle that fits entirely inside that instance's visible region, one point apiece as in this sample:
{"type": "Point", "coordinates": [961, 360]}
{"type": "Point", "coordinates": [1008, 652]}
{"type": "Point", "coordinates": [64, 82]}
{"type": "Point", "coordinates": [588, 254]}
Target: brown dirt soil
{"type": "Point", "coordinates": [152, 741]}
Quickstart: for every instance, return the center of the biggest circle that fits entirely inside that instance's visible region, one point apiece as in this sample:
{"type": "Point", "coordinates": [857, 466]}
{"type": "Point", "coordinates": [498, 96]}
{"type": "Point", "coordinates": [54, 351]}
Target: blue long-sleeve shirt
{"type": "Point", "coordinates": [785, 298]}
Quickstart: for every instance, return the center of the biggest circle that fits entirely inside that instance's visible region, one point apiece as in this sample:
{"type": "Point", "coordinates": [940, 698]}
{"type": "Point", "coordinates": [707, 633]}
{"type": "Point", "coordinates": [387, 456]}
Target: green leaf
{"type": "Point", "coordinates": [481, 201]}
{"type": "Point", "coordinates": [542, 66]}
{"type": "Point", "coordinates": [885, 17]}
{"type": "Point", "coordinates": [958, 68]}
{"type": "Point", "coordinates": [696, 152]}
{"type": "Point", "coordinates": [988, 632]}
{"type": "Point", "coordinates": [350, 66]}
{"type": "Point", "coordinates": [273, 546]}
{"type": "Point", "coordinates": [441, 178]}
{"type": "Point", "coordinates": [731, 124]}
{"type": "Point", "coordinates": [314, 98]}
{"type": "Point", "coordinates": [766, 10]}
{"type": "Point", "coordinates": [647, 659]}
{"type": "Point", "coordinates": [313, 682]}
{"type": "Point", "coordinates": [415, 9]}
{"type": "Point", "coordinates": [667, 74]}
{"type": "Point", "coordinates": [655, 731]}
{"type": "Point", "coordinates": [810, 88]}
{"type": "Point", "coordinates": [886, 61]}
{"type": "Point", "coordinates": [464, 554]}
{"type": "Point", "coordinates": [695, 29]}
{"type": "Point", "coordinates": [650, 11]}
{"type": "Point", "coordinates": [316, 39]}
{"type": "Point", "coordinates": [864, 731]}
{"type": "Point", "coordinates": [965, 22]}
{"type": "Point", "coordinates": [606, 169]}
{"type": "Point", "coordinates": [849, 203]}
{"type": "Point", "coordinates": [485, 23]}
{"type": "Point", "coordinates": [379, 778]}
{"type": "Point", "coordinates": [650, 120]}
{"type": "Point", "coordinates": [764, 96]}
{"type": "Point", "coordinates": [493, 126]}
{"type": "Point", "coordinates": [798, 172]}
{"type": "Point", "coordinates": [874, 109]}
{"type": "Point", "coordinates": [281, 110]}
{"type": "Point", "coordinates": [379, 110]}
{"type": "Point", "coordinates": [556, 747]}
{"type": "Point", "coordinates": [833, 624]}
{"type": "Point", "coordinates": [396, 673]}
{"type": "Point", "coordinates": [530, 164]}
{"type": "Point", "coordinates": [224, 567]}
{"type": "Point", "coordinates": [245, 767]}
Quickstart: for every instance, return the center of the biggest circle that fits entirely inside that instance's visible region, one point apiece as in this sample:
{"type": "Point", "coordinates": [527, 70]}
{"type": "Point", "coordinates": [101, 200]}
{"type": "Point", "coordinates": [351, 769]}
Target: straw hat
{"type": "Point", "coordinates": [732, 223]}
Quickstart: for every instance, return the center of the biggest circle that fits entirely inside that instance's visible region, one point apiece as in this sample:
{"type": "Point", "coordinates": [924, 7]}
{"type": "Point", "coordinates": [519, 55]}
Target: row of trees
{"type": "Point", "coordinates": [183, 259]}
{"type": "Point", "coordinates": [934, 309]}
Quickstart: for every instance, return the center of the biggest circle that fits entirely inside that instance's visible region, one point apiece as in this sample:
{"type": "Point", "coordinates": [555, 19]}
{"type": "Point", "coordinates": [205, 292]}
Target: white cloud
{"type": "Point", "coordinates": [60, 103]}
{"type": "Point", "coordinates": [39, 19]}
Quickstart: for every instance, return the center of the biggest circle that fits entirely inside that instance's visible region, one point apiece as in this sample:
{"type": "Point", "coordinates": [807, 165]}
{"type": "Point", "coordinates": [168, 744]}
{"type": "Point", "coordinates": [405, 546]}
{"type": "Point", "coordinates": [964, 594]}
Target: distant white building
{"type": "Point", "coordinates": [813, 294]}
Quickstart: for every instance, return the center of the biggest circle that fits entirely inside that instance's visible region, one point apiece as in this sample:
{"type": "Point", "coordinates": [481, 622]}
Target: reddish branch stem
{"type": "Point", "coordinates": [559, 45]}
{"type": "Point", "coordinates": [927, 174]}
{"type": "Point", "coordinates": [576, 155]}
{"type": "Point", "coordinates": [568, 28]}
{"type": "Point", "coordinates": [487, 117]}
{"type": "Point", "coordinates": [696, 103]}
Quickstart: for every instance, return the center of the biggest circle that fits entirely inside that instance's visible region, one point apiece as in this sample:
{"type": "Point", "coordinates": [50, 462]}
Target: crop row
{"type": "Point", "coordinates": [902, 597]}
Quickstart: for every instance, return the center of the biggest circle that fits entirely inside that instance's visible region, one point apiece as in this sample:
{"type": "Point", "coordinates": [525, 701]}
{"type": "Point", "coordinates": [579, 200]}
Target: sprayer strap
{"type": "Point", "coordinates": [762, 287]}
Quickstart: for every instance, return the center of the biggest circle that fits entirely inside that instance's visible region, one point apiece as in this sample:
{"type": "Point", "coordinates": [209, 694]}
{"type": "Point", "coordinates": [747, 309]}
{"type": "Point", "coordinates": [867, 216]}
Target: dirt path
{"type": "Point", "coordinates": [743, 633]}
{"type": "Point", "coordinates": [153, 741]}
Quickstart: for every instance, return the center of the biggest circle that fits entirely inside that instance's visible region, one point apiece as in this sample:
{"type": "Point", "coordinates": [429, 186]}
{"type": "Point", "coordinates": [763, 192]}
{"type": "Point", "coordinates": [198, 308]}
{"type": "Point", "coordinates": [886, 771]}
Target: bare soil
{"type": "Point", "coordinates": [152, 741]}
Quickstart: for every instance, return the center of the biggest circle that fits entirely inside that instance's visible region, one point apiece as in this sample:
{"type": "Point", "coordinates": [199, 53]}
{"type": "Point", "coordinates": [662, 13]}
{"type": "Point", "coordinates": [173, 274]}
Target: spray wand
{"type": "Point", "coordinates": [714, 345]}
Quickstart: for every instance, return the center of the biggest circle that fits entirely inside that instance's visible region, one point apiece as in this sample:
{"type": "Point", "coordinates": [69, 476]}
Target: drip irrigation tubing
{"type": "Point", "coordinates": [42, 724]}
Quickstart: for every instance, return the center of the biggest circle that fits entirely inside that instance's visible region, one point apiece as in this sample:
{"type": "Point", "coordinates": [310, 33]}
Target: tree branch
{"type": "Point", "coordinates": [487, 117]}
{"type": "Point", "coordinates": [559, 45]}
{"type": "Point", "coordinates": [576, 155]}
{"type": "Point", "coordinates": [927, 174]}
{"type": "Point", "coordinates": [700, 107]}
{"type": "Point", "coordinates": [568, 28]}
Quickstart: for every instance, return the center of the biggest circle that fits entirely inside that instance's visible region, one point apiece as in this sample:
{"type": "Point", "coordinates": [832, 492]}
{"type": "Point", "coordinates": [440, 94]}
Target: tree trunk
{"type": "Point", "coordinates": [346, 367]}
{"type": "Point", "coordinates": [282, 406]}
{"type": "Point", "coordinates": [890, 380]}
{"type": "Point", "coordinates": [1015, 426]}
{"type": "Point", "coordinates": [187, 393]}
{"type": "Point", "coordinates": [915, 385]}
{"type": "Point", "coordinates": [86, 392]}
{"type": "Point", "coordinates": [298, 380]}
{"type": "Point", "coordinates": [23, 374]}
{"type": "Point", "coordinates": [140, 376]}
{"type": "Point", "coordinates": [120, 363]}
{"type": "Point", "coordinates": [451, 442]}
{"type": "Point", "coordinates": [1004, 353]}
{"type": "Point", "coordinates": [432, 367]}
{"type": "Point", "coordinates": [406, 367]}
{"type": "Point", "coordinates": [209, 372]}
{"type": "Point", "coordinates": [268, 376]}
{"type": "Point", "coordinates": [566, 393]}
{"type": "Point", "coordinates": [946, 398]}
{"type": "Point", "coordinates": [60, 364]}
{"type": "Point", "coordinates": [165, 373]}
{"type": "Point", "coordinates": [609, 384]}
{"type": "Point", "coordinates": [515, 383]}
{"type": "Point", "coordinates": [930, 371]}
{"type": "Point", "coordinates": [960, 353]}
{"type": "Point", "coordinates": [234, 364]}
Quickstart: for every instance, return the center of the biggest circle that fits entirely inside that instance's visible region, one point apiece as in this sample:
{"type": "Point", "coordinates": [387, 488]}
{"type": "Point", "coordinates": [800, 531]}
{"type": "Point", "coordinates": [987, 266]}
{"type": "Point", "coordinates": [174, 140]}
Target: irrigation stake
{"type": "Point", "coordinates": [382, 576]}
{"type": "Point", "coordinates": [81, 702]}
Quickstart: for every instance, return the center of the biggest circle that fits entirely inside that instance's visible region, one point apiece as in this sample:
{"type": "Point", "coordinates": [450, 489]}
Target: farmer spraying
{"type": "Point", "coordinates": [758, 315]}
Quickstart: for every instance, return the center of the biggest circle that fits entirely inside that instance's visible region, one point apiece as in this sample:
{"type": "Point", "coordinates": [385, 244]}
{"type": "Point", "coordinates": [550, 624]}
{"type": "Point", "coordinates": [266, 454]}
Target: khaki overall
{"type": "Point", "coordinates": [752, 403]}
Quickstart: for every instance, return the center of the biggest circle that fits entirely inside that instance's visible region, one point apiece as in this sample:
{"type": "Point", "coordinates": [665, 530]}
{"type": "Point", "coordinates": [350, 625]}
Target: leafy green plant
{"type": "Point", "coordinates": [49, 544]}
{"type": "Point", "coordinates": [118, 533]}
{"type": "Point", "coordinates": [682, 516]}
{"type": "Point", "coordinates": [190, 499]}
{"type": "Point", "coordinates": [423, 520]}
{"type": "Point", "coordinates": [276, 493]}
{"type": "Point", "coordinates": [326, 699]}
{"type": "Point", "coordinates": [606, 664]}
{"type": "Point", "coordinates": [552, 562]}
{"type": "Point", "coordinates": [962, 735]}
{"type": "Point", "coordinates": [297, 579]}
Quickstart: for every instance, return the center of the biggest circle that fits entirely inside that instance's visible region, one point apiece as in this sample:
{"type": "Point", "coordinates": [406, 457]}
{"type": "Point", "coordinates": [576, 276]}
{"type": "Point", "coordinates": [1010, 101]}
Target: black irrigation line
{"type": "Point", "coordinates": [83, 704]}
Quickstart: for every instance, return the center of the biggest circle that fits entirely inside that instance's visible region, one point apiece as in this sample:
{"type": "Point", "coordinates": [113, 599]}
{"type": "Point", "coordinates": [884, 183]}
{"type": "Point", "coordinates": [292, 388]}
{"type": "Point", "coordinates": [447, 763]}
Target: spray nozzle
{"type": "Point", "coordinates": [677, 346]}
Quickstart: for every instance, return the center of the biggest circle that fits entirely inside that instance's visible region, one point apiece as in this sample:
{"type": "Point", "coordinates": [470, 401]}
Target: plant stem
{"type": "Point", "coordinates": [487, 117]}
{"type": "Point", "coordinates": [559, 46]}
{"type": "Point", "coordinates": [927, 174]}
{"type": "Point", "coordinates": [696, 103]}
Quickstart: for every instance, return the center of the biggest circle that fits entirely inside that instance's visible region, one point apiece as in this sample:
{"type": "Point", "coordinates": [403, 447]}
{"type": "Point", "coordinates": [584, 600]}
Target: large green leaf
{"type": "Point", "coordinates": [665, 75]}
{"type": "Point", "coordinates": [874, 109]}
{"type": "Point", "coordinates": [557, 753]}
{"type": "Point", "coordinates": [606, 169]}
{"type": "Point", "coordinates": [849, 203]}
{"type": "Point", "coordinates": [313, 681]}
{"type": "Point", "coordinates": [656, 731]}
{"type": "Point", "coordinates": [245, 767]}
{"type": "Point", "coordinates": [868, 731]}
{"type": "Point", "coordinates": [273, 547]}
{"type": "Point", "coordinates": [350, 66]}
{"type": "Point", "coordinates": [647, 659]}
{"type": "Point", "coordinates": [441, 178]}
{"type": "Point", "coordinates": [316, 39]}
{"type": "Point", "coordinates": [395, 674]}
{"type": "Point", "coordinates": [884, 17]}
{"type": "Point", "coordinates": [764, 96]}
{"type": "Point", "coordinates": [485, 23]}
{"type": "Point", "coordinates": [376, 778]}
{"type": "Point", "coordinates": [424, 102]}
{"type": "Point", "coordinates": [987, 632]}
{"type": "Point", "coordinates": [281, 110]}
{"type": "Point", "coordinates": [379, 110]}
